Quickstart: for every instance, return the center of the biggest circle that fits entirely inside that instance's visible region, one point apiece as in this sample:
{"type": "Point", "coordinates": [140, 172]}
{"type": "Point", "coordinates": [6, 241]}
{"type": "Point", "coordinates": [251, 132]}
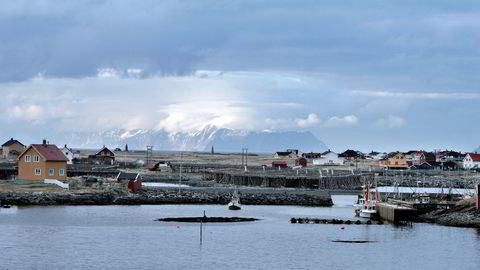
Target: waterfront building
{"type": "Point", "coordinates": [41, 162]}
{"type": "Point", "coordinates": [133, 180]}
{"type": "Point", "coordinates": [11, 149]}
{"type": "Point", "coordinates": [396, 161]}
{"type": "Point", "coordinates": [69, 154]}
{"type": "Point", "coordinates": [328, 158]}
{"type": "Point", "coordinates": [105, 156]}
{"type": "Point", "coordinates": [471, 161]}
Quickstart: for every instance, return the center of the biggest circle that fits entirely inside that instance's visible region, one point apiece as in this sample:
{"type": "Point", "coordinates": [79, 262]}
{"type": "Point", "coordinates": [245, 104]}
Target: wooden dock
{"type": "Point", "coordinates": [334, 221]}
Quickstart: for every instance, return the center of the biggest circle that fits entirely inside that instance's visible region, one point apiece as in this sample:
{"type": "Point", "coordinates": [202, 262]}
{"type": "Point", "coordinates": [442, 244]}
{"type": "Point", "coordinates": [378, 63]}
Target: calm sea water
{"type": "Point", "coordinates": [127, 237]}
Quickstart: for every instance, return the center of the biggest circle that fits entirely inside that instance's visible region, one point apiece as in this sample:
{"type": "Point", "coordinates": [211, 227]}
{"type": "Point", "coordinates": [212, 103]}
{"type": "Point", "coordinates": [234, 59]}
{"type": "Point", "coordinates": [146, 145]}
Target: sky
{"type": "Point", "coordinates": [367, 75]}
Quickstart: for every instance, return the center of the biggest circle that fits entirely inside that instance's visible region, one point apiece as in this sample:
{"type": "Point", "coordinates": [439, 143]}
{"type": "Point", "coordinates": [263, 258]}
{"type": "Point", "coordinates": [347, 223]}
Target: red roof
{"type": "Point", "coordinates": [474, 156]}
{"type": "Point", "coordinates": [50, 152]}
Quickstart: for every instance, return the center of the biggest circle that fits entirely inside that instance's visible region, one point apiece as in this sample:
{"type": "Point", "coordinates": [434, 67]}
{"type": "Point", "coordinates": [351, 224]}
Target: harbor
{"type": "Point", "coordinates": [92, 231]}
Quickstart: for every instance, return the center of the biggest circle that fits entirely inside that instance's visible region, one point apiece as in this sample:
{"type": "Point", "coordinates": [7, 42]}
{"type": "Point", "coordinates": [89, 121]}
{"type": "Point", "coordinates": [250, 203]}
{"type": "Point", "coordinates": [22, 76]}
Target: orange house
{"type": "Point", "coordinates": [42, 161]}
{"type": "Point", "coordinates": [395, 161]}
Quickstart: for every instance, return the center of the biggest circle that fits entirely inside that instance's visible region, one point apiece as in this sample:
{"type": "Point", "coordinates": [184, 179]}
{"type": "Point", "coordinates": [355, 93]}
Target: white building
{"type": "Point", "coordinates": [68, 153]}
{"type": "Point", "coordinates": [471, 161]}
{"type": "Point", "coordinates": [328, 158]}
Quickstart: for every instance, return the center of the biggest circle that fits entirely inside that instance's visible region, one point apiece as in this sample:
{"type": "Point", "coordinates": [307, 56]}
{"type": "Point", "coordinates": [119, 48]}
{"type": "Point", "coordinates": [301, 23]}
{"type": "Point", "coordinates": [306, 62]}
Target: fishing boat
{"type": "Point", "coordinates": [370, 201]}
{"type": "Point", "coordinates": [358, 205]}
{"type": "Point", "coordinates": [234, 203]}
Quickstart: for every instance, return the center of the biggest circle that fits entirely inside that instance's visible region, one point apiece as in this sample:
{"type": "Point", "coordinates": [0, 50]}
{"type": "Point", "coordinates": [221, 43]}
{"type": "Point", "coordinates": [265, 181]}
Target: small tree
{"type": "Point", "coordinates": [126, 147]}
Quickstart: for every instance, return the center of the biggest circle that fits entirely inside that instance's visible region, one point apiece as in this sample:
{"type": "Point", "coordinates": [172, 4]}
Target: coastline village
{"type": "Point", "coordinates": [311, 177]}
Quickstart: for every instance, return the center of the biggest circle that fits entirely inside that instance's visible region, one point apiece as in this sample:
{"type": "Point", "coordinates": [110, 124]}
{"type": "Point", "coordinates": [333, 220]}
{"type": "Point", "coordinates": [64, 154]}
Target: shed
{"type": "Point", "coordinates": [280, 164]}
{"type": "Point", "coordinates": [133, 180]}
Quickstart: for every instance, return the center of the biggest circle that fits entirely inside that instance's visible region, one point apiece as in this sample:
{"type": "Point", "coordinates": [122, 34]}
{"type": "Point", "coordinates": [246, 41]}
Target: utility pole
{"type": "Point", "coordinates": [181, 167]}
{"type": "Point", "coordinates": [243, 164]}
{"type": "Point", "coordinates": [149, 153]}
{"type": "Point", "coordinates": [244, 158]}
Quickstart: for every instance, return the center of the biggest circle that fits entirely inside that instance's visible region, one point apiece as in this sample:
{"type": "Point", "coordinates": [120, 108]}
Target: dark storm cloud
{"type": "Point", "coordinates": [426, 44]}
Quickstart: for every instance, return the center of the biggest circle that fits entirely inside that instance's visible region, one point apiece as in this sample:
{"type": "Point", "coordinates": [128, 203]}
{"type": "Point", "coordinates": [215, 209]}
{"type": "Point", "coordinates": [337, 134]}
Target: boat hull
{"type": "Point", "coordinates": [234, 207]}
{"type": "Point", "coordinates": [368, 214]}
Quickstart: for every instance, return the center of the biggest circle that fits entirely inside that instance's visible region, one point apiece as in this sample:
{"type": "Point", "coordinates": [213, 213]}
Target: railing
{"type": "Point", "coordinates": [56, 182]}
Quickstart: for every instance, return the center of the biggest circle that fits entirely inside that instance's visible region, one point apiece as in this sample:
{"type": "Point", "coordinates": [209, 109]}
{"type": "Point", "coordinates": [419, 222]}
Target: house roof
{"type": "Point", "coordinates": [12, 141]}
{"type": "Point", "coordinates": [127, 176]}
{"type": "Point", "coordinates": [49, 152]}
{"type": "Point", "coordinates": [284, 153]}
{"type": "Point", "coordinates": [352, 153]}
{"type": "Point", "coordinates": [329, 152]}
{"type": "Point", "coordinates": [105, 148]}
{"type": "Point", "coordinates": [474, 156]}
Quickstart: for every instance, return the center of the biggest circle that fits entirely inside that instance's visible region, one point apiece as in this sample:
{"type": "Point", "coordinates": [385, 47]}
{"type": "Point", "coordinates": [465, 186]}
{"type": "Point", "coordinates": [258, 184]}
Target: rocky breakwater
{"type": "Point", "coordinates": [58, 198]}
{"type": "Point", "coordinates": [161, 196]}
{"type": "Point", "coordinates": [464, 214]}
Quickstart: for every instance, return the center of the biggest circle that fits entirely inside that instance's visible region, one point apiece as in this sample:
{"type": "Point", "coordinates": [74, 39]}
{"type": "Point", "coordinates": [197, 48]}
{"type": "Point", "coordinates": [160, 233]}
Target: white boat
{"type": "Point", "coordinates": [370, 202]}
{"type": "Point", "coordinates": [234, 203]}
{"type": "Point", "coordinates": [358, 205]}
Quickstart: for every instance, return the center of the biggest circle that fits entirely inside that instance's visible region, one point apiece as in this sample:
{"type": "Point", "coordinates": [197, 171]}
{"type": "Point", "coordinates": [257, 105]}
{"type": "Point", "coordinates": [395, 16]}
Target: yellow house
{"type": "Point", "coordinates": [42, 161]}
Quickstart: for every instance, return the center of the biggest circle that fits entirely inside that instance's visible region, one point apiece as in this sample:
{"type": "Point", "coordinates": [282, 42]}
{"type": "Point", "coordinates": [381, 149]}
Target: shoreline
{"type": "Point", "coordinates": [165, 196]}
{"type": "Point", "coordinates": [464, 215]}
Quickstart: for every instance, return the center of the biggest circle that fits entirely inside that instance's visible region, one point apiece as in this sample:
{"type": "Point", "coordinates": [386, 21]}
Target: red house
{"type": "Point", "coordinates": [280, 164]}
{"type": "Point", "coordinates": [301, 162]}
{"type": "Point", "coordinates": [133, 180]}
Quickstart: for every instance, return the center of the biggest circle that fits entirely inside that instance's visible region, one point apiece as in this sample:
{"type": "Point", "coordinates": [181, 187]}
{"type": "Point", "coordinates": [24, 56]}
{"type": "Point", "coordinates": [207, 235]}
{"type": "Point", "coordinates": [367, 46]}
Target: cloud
{"type": "Point", "coordinates": [28, 112]}
{"type": "Point", "coordinates": [417, 95]}
{"type": "Point", "coordinates": [115, 98]}
{"type": "Point", "coordinates": [335, 121]}
{"type": "Point", "coordinates": [311, 120]}
{"type": "Point", "coordinates": [292, 123]}
{"type": "Point", "coordinates": [391, 121]}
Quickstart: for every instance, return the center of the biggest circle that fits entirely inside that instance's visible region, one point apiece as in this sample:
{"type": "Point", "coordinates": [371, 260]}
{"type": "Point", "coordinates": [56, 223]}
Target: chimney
{"type": "Point", "coordinates": [44, 142]}
{"type": "Point", "coordinates": [11, 139]}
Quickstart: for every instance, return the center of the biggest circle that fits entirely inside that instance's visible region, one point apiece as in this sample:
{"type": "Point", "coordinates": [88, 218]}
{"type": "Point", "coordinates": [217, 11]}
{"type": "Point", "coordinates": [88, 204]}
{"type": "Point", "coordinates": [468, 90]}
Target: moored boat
{"type": "Point", "coordinates": [234, 203]}
{"type": "Point", "coordinates": [358, 205]}
{"type": "Point", "coordinates": [370, 202]}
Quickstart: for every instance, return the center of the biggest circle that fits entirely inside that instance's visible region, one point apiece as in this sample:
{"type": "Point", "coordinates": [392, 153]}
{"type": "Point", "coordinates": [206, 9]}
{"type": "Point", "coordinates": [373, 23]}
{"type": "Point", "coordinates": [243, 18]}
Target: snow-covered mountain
{"type": "Point", "coordinates": [222, 139]}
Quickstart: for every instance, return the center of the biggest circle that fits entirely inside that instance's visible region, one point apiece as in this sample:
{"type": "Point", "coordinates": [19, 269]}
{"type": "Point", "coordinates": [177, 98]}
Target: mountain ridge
{"type": "Point", "coordinates": [222, 139]}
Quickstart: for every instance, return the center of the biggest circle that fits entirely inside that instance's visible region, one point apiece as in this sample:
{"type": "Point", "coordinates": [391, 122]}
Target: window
{"type": "Point", "coordinates": [51, 172]}
{"type": "Point", "coordinates": [38, 171]}
{"type": "Point", "coordinates": [28, 158]}
{"type": "Point", "coordinates": [36, 159]}
{"type": "Point", "coordinates": [62, 172]}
